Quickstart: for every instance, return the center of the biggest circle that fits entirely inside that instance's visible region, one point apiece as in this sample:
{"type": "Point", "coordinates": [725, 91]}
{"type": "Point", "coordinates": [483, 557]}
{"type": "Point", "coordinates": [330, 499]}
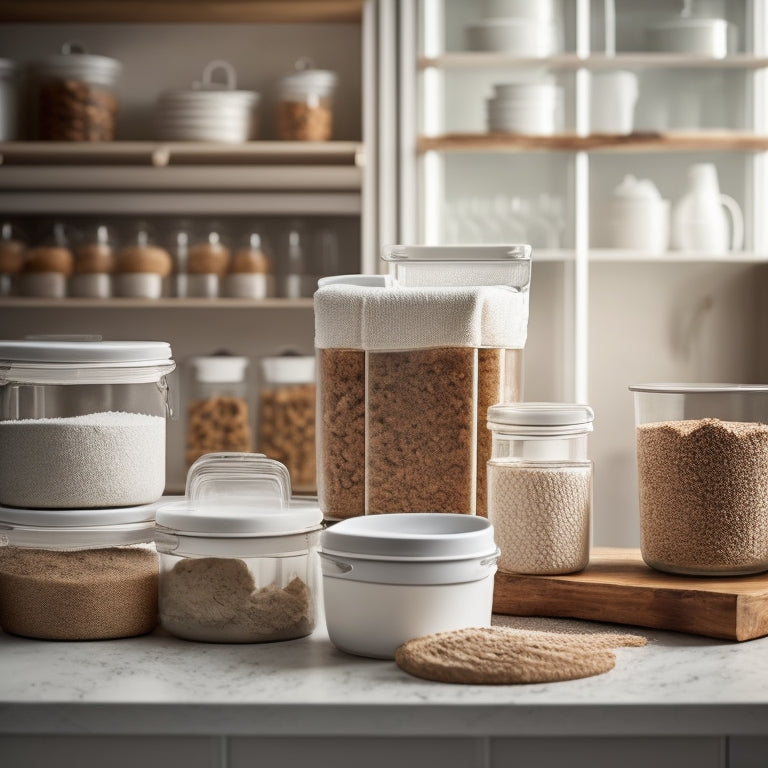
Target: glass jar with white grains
{"type": "Point", "coordinates": [540, 486]}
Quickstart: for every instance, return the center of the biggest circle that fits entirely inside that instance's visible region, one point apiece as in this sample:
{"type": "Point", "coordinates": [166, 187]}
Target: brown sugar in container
{"type": "Point", "coordinates": [78, 575]}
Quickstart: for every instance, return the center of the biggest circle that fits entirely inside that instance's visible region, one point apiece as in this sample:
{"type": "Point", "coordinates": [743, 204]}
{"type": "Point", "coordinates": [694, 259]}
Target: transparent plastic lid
{"type": "Point", "coordinates": [411, 536]}
{"type": "Point", "coordinates": [79, 361]}
{"type": "Point", "coordinates": [460, 265]}
{"type": "Point", "coordinates": [238, 495]}
{"type": "Point", "coordinates": [545, 419]}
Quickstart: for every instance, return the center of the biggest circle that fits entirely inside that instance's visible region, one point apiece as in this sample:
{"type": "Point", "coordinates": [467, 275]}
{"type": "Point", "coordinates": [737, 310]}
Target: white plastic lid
{"type": "Point", "coordinates": [367, 281]}
{"type": "Point", "coordinates": [411, 536]}
{"type": "Point", "coordinates": [74, 63]}
{"type": "Point", "coordinates": [288, 369]}
{"type": "Point", "coordinates": [461, 253]}
{"type": "Point", "coordinates": [309, 81]}
{"type": "Point", "coordinates": [542, 419]}
{"type": "Point", "coordinates": [220, 368]}
{"type": "Point", "coordinates": [238, 495]}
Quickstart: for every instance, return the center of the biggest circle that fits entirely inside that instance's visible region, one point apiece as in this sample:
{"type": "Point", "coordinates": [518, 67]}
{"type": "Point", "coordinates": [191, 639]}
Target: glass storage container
{"type": "Point", "coordinates": [702, 467]}
{"type": "Point", "coordinates": [13, 248]}
{"type": "Point", "coordinates": [287, 395]}
{"type": "Point", "coordinates": [250, 271]}
{"type": "Point", "coordinates": [208, 260]}
{"type": "Point", "coordinates": [238, 557]}
{"type": "Point", "coordinates": [219, 412]}
{"type": "Point", "coordinates": [305, 103]}
{"type": "Point", "coordinates": [142, 265]}
{"type": "Point", "coordinates": [82, 423]}
{"type": "Point", "coordinates": [48, 265]}
{"type": "Point", "coordinates": [540, 486]}
{"type": "Point", "coordinates": [94, 263]}
{"type": "Point", "coordinates": [78, 574]}
{"type": "Point", "coordinates": [178, 247]}
{"type": "Point", "coordinates": [76, 96]}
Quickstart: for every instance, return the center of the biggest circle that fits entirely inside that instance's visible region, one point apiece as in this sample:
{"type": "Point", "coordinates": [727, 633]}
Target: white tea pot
{"type": "Point", "coordinates": [638, 217]}
{"type": "Point", "coordinates": [699, 221]}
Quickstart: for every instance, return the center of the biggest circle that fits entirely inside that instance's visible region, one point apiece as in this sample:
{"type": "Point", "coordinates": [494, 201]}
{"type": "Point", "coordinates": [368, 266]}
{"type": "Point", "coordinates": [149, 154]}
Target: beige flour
{"type": "Point", "coordinates": [90, 594]}
{"type": "Point", "coordinates": [215, 600]}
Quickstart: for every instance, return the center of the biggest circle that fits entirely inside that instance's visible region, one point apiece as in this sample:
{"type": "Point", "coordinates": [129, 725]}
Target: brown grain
{"type": "Point", "coordinates": [219, 423]}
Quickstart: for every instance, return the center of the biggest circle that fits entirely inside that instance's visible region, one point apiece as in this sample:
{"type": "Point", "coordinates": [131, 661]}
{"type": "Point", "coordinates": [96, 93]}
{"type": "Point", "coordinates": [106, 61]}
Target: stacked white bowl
{"type": "Point", "coordinates": [209, 111]}
{"type": "Point", "coordinates": [518, 27]}
{"type": "Point", "coordinates": [532, 108]}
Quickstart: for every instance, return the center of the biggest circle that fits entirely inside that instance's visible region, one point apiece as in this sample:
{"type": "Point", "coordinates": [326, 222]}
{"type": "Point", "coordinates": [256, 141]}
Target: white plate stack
{"type": "Point", "coordinates": [209, 111]}
{"type": "Point", "coordinates": [532, 108]}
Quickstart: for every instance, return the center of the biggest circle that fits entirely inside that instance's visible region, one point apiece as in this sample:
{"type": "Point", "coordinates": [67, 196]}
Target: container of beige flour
{"type": "Point", "coordinates": [238, 556]}
{"type": "Point", "coordinates": [82, 422]}
{"type": "Point", "coordinates": [702, 466]}
{"type": "Point", "coordinates": [78, 574]}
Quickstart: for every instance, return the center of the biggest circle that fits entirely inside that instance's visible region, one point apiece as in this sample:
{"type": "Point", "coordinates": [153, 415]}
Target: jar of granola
{"type": "Point", "coordinates": [305, 103]}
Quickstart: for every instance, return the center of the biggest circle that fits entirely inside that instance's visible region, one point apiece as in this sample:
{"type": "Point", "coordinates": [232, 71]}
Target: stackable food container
{"type": "Point", "coordinates": [82, 422]}
{"type": "Point", "coordinates": [78, 574]}
{"type": "Point", "coordinates": [390, 578]}
{"type": "Point", "coordinates": [702, 465]}
{"type": "Point", "coordinates": [406, 373]}
{"type": "Point", "coordinates": [238, 557]}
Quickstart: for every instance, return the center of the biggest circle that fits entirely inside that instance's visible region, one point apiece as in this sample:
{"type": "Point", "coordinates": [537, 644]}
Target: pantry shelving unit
{"type": "Point", "coordinates": [599, 315]}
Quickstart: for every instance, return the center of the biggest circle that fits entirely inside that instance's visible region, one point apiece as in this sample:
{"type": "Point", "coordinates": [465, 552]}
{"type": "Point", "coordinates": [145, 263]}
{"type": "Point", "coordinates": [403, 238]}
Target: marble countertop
{"type": "Point", "coordinates": [156, 684]}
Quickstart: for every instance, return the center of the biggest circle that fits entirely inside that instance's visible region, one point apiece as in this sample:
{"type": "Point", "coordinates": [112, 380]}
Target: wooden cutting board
{"type": "Point", "coordinates": [618, 587]}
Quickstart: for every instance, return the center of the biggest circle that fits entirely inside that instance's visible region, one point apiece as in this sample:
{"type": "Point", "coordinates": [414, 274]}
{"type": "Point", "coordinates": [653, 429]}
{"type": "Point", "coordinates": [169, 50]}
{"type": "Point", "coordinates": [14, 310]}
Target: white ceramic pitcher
{"type": "Point", "coordinates": [699, 221]}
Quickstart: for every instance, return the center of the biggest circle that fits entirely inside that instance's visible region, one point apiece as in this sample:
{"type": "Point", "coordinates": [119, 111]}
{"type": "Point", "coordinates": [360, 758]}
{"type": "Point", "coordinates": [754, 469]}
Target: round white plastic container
{"type": "Point", "coordinates": [390, 578]}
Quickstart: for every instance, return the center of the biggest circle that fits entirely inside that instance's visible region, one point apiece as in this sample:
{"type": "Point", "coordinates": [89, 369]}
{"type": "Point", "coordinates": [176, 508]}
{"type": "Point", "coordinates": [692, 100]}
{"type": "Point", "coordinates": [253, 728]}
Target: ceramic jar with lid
{"type": "Point", "coordinates": [78, 574]}
{"type": "Point", "coordinates": [94, 262]}
{"type": "Point", "coordinates": [142, 265]}
{"type": "Point", "coordinates": [287, 416]}
{"type": "Point", "coordinates": [48, 265]}
{"type": "Point", "coordinates": [76, 95]}
{"type": "Point", "coordinates": [639, 218]}
{"type": "Point", "coordinates": [238, 557]}
{"type": "Point", "coordinates": [219, 412]}
{"type": "Point", "coordinates": [305, 103]}
{"type": "Point", "coordinates": [540, 486]}
{"type": "Point", "coordinates": [82, 422]}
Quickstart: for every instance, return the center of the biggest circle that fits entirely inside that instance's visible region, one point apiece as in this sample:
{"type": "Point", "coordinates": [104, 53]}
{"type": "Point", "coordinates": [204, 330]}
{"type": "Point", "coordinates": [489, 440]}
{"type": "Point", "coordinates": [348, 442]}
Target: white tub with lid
{"type": "Point", "coordinates": [238, 557]}
{"type": "Point", "coordinates": [82, 422]}
{"type": "Point", "coordinates": [390, 578]}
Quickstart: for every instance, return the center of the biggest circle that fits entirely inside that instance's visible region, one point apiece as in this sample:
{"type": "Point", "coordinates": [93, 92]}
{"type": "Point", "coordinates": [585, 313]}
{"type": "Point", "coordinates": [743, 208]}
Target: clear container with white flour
{"type": "Point", "coordinates": [82, 422]}
{"type": "Point", "coordinates": [540, 486]}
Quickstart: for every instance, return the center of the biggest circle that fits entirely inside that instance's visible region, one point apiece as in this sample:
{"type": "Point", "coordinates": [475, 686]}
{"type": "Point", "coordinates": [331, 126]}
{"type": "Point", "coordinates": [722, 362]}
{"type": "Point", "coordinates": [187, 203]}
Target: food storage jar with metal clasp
{"type": "Point", "coordinates": [238, 557]}
{"type": "Point", "coordinates": [82, 422]}
{"type": "Point", "coordinates": [702, 470]}
{"type": "Point", "coordinates": [390, 578]}
{"type": "Point", "coordinates": [87, 574]}
{"type": "Point", "coordinates": [540, 486]}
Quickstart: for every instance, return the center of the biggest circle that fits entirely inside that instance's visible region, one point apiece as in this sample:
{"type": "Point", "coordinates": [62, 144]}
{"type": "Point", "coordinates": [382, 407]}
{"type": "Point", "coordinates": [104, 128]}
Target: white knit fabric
{"type": "Point", "coordinates": [358, 317]}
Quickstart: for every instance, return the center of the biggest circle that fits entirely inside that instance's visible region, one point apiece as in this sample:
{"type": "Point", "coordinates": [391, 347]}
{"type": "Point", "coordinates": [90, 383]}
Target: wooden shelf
{"type": "Point", "coordinates": [707, 141]}
{"type": "Point", "coordinates": [599, 61]}
{"type": "Point", "coordinates": [182, 11]}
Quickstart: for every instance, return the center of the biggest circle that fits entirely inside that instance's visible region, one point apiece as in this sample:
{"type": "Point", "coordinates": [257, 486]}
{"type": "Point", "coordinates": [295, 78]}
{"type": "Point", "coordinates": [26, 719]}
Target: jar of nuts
{"type": "Point", "coordinates": [76, 99]}
{"type": "Point", "coordinates": [94, 263]}
{"type": "Point", "coordinates": [219, 410]}
{"type": "Point", "coordinates": [48, 265]}
{"type": "Point", "coordinates": [141, 265]}
{"type": "Point", "coordinates": [287, 416]}
{"type": "Point", "coordinates": [305, 103]}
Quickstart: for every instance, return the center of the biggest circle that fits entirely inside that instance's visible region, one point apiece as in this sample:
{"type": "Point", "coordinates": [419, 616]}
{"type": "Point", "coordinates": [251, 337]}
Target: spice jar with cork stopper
{"type": "Point", "coordinates": [207, 260]}
{"type": "Point", "coordinates": [141, 266]}
{"type": "Point", "coordinates": [540, 486]}
{"type": "Point", "coordinates": [48, 265]}
{"type": "Point", "coordinates": [94, 263]}
{"type": "Point", "coordinates": [250, 271]}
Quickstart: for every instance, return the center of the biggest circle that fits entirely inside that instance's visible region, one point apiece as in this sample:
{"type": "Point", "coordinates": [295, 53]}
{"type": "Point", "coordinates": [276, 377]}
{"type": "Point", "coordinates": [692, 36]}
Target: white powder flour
{"type": "Point", "coordinates": [105, 459]}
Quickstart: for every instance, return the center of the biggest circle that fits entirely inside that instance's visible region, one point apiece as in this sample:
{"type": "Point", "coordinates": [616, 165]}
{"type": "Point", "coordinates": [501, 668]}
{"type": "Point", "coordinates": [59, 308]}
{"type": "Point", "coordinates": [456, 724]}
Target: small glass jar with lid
{"type": "Point", "coordinates": [286, 416]}
{"type": "Point", "coordinates": [142, 265]}
{"type": "Point", "coordinates": [48, 265]}
{"type": "Point", "coordinates": [238, 557]}
{"type": "Point", "coordinates": [208, 260]}
{"type": "Point", "coordinates": [78, 574]}
{"type": "Point", "coordinates": [13, 248]}
{"type": "Point", "coordinates": [250, 271]}
{"type": "Point", "coordinates": [219, 412]}
{"type": "Point", "coordinates": [179, 240]}
{"type": "Point", "coordinates": [540, 486]}
{"type": "Point", "coordinates": [305, 103]}
{"type": "Point", "coordinates": [94, 262]}
{"type": "Point", "coordinates": [76, 95]}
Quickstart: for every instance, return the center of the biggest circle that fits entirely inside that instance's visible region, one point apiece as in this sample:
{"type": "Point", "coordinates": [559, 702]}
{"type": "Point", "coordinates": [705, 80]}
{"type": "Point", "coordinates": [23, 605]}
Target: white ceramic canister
{"type": "Point", "coordinates": [390, 578]}
{"type": "Point", "coordinates": [638, 218]}
{"type": "Point", "coordinates": [82, 422]}
{"type": "Point", "coordinates": [78, 574]}
{"type": "Point", "coordinates": [238, 557]}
